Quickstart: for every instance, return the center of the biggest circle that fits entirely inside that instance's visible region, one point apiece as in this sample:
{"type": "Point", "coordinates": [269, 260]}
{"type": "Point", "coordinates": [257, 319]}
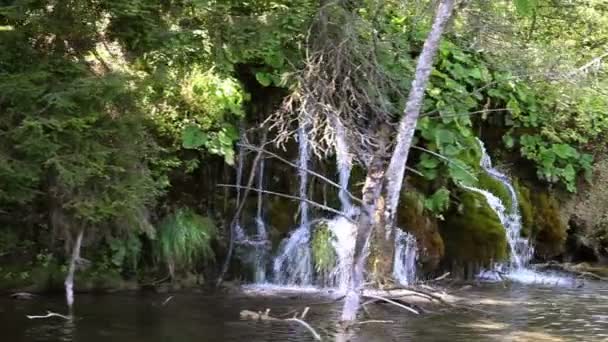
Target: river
{"type": "Point", "coordinates": [505, 313]}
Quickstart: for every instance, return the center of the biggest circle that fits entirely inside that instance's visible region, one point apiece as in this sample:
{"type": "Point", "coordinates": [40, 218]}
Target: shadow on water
{"type": "Point", "coordinates": [516, 313]}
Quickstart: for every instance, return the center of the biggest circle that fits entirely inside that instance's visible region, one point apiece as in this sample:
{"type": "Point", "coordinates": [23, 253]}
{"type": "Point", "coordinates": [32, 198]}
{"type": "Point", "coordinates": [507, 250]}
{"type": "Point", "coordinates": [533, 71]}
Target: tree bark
{"type": "Point", "coordinates": [388, 181]}
{"type": "Point", "coordinates": [69, 280]}
{"type": "Point", "coordinates": [407, 125]}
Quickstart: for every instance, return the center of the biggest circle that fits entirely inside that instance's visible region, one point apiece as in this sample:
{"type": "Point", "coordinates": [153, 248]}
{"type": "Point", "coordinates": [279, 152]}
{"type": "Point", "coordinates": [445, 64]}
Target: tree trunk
{"type": "Point", "coordinates": [372, 191]}
{"type": "Point", "coordinates": [69, 280]}
{"type": "Point", "coordinates": [407, 125]}
{"type": "Point", "coordinates": [388, 181]}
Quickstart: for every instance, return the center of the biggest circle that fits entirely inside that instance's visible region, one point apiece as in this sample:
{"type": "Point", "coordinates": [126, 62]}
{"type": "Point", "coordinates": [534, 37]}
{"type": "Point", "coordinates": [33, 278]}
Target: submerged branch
{"type": "Point", "coordinates": [50, 314]}
{"type": "Point", "coordinates": [265, 316]}
{"type": "Point", "coordinates": [297, 198]}
{"type": "Point", "coordinates": [392, 302]}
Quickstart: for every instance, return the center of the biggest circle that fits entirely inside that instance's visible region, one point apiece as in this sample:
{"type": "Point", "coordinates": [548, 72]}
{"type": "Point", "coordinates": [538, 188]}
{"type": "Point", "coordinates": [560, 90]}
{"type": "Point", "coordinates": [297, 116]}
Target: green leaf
{"type": "Point", "coordinates": [428, 162]}
{"type": "Point", "coordinates": [444, 136]}
{"type": "Point", "coordinates": [264, 78]}
{"type": "Point", "coordinates": [508, 140]}
{"type": "Point", "coordinates": [438, 202]}
{"type": "Point", "coordinates": [193, 137]}
{"type": "Point", "coordinates": [525, 7]}
{"type": "Point", "coordinates": [565, 151]}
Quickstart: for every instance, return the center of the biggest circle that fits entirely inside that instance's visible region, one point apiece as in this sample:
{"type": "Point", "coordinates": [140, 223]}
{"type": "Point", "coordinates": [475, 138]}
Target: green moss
{"type": "Point", "coordinates": [526, 209]}
{"type": "Point", "coordinates": [550, 230]}
{"type": "Point", "coordinates": [323, 253]}
{"type": "Point", "coordinates": [485, 181]}
{"type": "Point", "coordinates": [473, 233]}
{"type": "Point", "coordinates": [414, 219]}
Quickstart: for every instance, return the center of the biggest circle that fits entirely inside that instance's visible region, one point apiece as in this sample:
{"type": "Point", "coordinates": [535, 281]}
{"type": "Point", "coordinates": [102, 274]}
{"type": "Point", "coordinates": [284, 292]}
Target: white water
{"type": "Point", "coordinates": [521, 251]}
{"type": "Point", "coordinates": [344, 162]}
{"type": "Point", "coordinates": [406, 253]}
{"type": "Point", "coordinates": [293, 264]}
{"type": "Point", "coordinates": [345, 235]}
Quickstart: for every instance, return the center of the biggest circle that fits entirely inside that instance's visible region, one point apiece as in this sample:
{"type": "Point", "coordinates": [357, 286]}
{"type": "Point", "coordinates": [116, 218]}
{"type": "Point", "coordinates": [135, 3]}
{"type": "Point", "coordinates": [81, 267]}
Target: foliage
{"type": "Point", "coordinates": [184, 238]}
{"type": "Point", "coordinates": [438, 202]}
{"type": "Point", "coordinates": [324, 255]}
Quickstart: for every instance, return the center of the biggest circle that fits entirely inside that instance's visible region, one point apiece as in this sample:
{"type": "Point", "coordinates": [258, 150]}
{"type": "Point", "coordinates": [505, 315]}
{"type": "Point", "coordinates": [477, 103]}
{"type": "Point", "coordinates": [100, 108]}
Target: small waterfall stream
{"type": "Point", "coordinates": [521, 251]}
{"type": "Point", "coordinates": [406, 253]}
{"type": "Point", "coordinates": [293, 264]}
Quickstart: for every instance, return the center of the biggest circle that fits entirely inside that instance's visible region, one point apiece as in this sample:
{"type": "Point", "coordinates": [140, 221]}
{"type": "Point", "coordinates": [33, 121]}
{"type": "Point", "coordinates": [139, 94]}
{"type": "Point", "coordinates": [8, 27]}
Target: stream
{"type": "Point", "coordinates": [512, 313]}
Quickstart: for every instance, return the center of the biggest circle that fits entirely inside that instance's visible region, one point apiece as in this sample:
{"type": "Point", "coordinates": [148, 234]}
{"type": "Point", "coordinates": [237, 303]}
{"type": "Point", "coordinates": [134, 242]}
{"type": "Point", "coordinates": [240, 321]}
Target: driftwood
{"type": "Point", "coordinates": [391, 301]}
{"type": "Point", "coordinates": [265, 316]}
{"type": "Point", "coordinates": [50, 314]}
{"type": "Point", "coordinates": [23, 295]}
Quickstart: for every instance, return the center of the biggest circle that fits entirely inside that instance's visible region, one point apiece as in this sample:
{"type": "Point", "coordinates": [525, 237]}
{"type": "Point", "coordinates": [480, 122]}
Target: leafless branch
{"type": "Point", "coordinates": [279, 194]}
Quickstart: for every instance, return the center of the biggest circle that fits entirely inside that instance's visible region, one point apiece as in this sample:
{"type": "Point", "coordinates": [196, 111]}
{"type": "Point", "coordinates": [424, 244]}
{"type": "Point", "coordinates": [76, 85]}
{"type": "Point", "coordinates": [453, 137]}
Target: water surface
{"type": "Point", "coordinates": [515, 313]}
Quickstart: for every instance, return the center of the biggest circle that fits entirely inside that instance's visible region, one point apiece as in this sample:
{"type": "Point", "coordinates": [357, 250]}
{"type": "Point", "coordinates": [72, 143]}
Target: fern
{"type": "Point", "coordinates": [184, 239]}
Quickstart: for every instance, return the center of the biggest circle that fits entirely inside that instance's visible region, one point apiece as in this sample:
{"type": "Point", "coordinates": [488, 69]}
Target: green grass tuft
{"type": "Point", "coordinates": [184, 238]}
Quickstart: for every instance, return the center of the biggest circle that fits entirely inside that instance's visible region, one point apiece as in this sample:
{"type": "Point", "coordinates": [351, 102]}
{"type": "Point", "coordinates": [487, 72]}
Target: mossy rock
{"type": "Point", "coordinates": [550, 232]}
{"type": "Point", "coordinates": [414, 219]}
{"type": "Point", "coordinates": [487, 182]}
{"type": "Point", "coordinates": [542, 220]}
{"type": "Point", "coordinates": [526, 209]}
{"type": "Point", "coordinates": [473, 233]}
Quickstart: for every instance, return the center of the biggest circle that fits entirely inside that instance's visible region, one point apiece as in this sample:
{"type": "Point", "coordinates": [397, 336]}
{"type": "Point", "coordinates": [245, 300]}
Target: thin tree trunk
{"type": "Point", "coordinates": [407, 125]}
{"type": "Point", "coordinates": [372, 191]}
{"type": "Point", "coordinates": [69, 280]}
{"type": "Point", "coordinates": [378, 181]}
{"type": "Point", "coordinates": [241, 205]}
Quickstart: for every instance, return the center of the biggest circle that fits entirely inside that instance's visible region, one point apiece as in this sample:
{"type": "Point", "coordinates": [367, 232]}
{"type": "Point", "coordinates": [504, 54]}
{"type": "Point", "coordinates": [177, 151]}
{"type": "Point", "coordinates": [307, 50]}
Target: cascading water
{"type": "Point", "coordinates": [406, 253]}
{"type": "Point", "coordinates": [521, 250]}
{"type": "Point", "coordinates": [293, 265]}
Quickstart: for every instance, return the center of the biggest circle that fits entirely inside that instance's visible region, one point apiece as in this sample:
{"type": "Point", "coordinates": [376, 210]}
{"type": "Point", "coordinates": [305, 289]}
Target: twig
{"type": "Point", "coordinates": [279, 194]}
{"type": "Point", "coordinates": [441, 277]}
{"type": "Point", "coordinates": [312, 173]}
{"type": "Point", "coordinates": [307, 326]}
{"type": "Point", "coordinates": [166, 301]}
{"type": "Point", "coordinates": [374, 321]}
{"type": "Point", "coordinates": [392, 302]}
{"type": "Point", "coordinates": [50, 314]}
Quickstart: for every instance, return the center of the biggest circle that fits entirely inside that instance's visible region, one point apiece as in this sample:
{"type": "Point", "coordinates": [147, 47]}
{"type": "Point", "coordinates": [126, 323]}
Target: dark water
{"type": "Point", "coordinates": [516, 313]}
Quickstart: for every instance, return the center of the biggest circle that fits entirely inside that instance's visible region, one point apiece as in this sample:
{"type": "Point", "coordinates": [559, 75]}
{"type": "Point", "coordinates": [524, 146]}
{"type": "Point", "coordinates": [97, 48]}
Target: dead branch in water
{"type": "Point", "coordinates": [390, 301]}
{"type": "Point", "coordinates": [50, 314]}
{"type": "Point", "coordinates": [265, 316]}
{"type": "Point", "coordinates": [374, 321]}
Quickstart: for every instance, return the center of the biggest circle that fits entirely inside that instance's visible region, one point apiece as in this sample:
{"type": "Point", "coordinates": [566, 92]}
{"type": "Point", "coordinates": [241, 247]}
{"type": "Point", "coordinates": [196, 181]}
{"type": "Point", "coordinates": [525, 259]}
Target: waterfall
{"type": "Point", "coordinates": [344, 161]}
{"type": "Point", "coordinates": [261, 249]}
{"type": "Point", "coordinates": [406, 253]}
{"type": "Point", "coordinates": [293, 265]}
{"type": "Point", "coordinates": [521, 251]}
{"type": "Point", "coordinates": [345, 235]}
{"type": "Point", "coordinates": [520, 248]}
{"type": "Point", "coordinates": [239, 234]}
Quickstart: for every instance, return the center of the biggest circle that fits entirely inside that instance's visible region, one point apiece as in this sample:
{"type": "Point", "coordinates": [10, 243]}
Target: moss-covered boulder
{"type": "Point", "coordinates": [542, 220]}
{"type": "Point", "coordinates": [414, 219]}
{"type": "Point", "coordinates": [487, 182]}
{"type": "Point", "coordinates": [473, 233]}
